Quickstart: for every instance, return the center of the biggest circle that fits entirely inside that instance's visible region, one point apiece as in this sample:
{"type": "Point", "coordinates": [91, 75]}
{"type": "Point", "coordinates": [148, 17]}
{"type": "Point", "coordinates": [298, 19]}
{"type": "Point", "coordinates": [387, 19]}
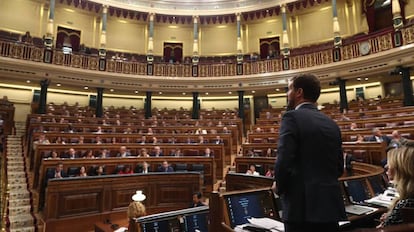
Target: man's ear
{"type": "Point", "coordinates": [299, 92]}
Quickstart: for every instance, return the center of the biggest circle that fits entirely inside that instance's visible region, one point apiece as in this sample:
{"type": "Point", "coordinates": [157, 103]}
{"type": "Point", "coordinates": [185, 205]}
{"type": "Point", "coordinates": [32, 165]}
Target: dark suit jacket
{"type": "Point", "coordinates": [162, 169]}
{"type": "Point", "coordinates": [308, 165]}
{"type": "Point", "coordinates": [51, 174]}
{"type": "Point", "coordinates": [384, 138]}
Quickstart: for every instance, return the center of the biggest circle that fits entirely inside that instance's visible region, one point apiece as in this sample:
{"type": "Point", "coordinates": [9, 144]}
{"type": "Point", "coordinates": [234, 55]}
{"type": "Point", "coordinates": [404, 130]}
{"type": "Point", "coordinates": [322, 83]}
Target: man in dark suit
{"type": "Point", "coordinates": [56, 173]}
{"type": "Point", "coordinates": [309, 162]}
{"type": "Point", "coordinates": [123, 152]}
{"type": "Point", "coordinates": [165, 167]}
{"type": "Point", "coordinates": [378, 137]}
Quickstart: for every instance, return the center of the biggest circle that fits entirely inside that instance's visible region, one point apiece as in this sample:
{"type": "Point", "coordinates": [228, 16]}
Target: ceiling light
{"type": "Point", "coordinates": [111, 90]}
{"type": "Point", "coordinates": [160, 93]}
{"type": "Point", "coordinates": [206, 93]}
{"type": "Point", "coordinates": [58, 85]}
{"type": "Point", "coordinates": [359, 79]}
{"type": "Point", "coordinates": [230, 92]}
{"type": "Point", "coordinates": [277, 89]}
{"type": "Point", "coordinates": [184, 93]}
{"type": "Point", "coordinates": [136, 91]}
{"type": "Point", "coordinates": [86, 87]}
{"type": "Point", "coordinates": [253, 91]}
{"type": "Point", "coordinates": [366, 78]}
{"type": "Point", "coordinates": [28, 81]}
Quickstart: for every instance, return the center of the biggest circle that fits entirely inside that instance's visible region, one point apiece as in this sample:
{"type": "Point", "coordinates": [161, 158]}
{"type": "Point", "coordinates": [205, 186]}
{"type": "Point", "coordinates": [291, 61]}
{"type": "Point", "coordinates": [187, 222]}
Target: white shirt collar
{"type": "Point", "coordinates": [303, 103]}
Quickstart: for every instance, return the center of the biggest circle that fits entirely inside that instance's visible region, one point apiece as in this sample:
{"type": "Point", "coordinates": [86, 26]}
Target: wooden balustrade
{"type": "Point", "coordinates": [318, 55]}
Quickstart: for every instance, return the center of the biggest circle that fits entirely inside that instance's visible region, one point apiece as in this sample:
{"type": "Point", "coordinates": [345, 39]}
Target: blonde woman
{"type": "Point", "coordinates": [135, 210]}
{"type": "Point", "coordinates": [401, 173]}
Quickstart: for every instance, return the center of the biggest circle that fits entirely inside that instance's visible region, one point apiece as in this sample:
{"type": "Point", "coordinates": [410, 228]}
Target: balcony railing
{"type": "Point", "coordinates": [300, 58]}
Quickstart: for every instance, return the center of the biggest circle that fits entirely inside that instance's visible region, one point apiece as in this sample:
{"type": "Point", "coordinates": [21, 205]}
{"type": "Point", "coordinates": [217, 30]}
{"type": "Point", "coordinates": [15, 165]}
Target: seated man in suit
{"type": "Point", "coordinates": [123, 152]}
{"type": "Point", "coordinates": [57, 173]}
{"type": "Point", "coordinates": [218, 140]}
{"type": "Point", "coordinates": [165, 167]}
{"type": "Point", "coordinates": [378, 137]}
{"type": "Point", "coordinates": [71, 154]}
{"type": "Point", "coordinates": [143, 168]}
{"type": "Point", "coordinates": [208, 152]}
{"type": "Point", "coordinates": [157, 151]}
{"type": "Point", "coordinates": [197, 200]}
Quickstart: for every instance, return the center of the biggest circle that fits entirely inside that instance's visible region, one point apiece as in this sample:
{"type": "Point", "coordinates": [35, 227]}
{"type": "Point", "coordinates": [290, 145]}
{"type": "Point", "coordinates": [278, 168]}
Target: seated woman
{"type": "Point", "coordinates": [401, 173]}
{"type": "Point", "coordinates": [82, 172]}
{"type": "Point", "coordinates": [126, 170]}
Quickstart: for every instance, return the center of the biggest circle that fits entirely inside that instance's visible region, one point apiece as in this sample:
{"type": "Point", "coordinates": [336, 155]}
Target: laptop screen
{"type": "Point", "coordinates": [196, 222]}
{"type": "Point", "coordinates": [254, 204]}
{"type": "Point", "coordinates": [356, 190]}
{"type": "Point", "coordinates": [185, 220]}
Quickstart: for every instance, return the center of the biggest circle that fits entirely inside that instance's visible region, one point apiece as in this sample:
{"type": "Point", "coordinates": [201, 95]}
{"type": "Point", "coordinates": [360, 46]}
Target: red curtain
{"type": "Point", "coordinates": [66, 36]}
{"type": "Point", "coordinates": [173, 52]}
{"type": "Point", "coordinates": [269, 48]}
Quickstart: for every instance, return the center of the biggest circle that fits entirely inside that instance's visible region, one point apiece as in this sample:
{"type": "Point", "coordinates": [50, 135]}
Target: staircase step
{"type": "Point", "coordinates": [19, 202]}
{"type": "Point", "coordinates": [24, 229]}
{"type": "Point", "coordinates": [18, 185]}
{"type": "Point", "coordinates": [19, 195]}
{"type": "Point", "coordinates": [18, 223]}
{"type": "Point", "coordinates": [19, 210]}
{"type": "Point", "coordinates": [16, 175]}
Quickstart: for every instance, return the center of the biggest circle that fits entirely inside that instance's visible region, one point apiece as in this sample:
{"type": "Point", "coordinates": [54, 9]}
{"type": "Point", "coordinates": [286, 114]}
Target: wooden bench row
{"type": "Point", "coordinates": [369, 152]}
{"type": "Point", "coordinates": [120, 138]}
{"type": "Point", "coordinates": [41, 164]}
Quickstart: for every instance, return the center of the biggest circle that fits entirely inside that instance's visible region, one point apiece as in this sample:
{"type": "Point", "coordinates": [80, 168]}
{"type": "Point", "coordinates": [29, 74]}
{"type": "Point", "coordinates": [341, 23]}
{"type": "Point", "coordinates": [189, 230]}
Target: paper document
{"type": "Point", "coordinates": [267, 223]}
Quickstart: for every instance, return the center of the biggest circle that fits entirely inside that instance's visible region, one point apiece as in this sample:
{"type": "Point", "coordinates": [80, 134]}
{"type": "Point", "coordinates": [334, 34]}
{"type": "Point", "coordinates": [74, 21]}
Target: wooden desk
{"type": "Point", "coordinates": [80, 202]}
{"type": "Point", "coordinates": [107, 227]}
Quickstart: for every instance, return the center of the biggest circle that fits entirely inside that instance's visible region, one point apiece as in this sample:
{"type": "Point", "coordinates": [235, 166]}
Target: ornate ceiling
{"type": "Point", "coordinates": [193, 7]}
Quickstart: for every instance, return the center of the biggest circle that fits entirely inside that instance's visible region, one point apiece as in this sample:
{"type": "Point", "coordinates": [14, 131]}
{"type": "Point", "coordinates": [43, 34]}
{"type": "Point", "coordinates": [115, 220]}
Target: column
{"type": "Point", "coordinates": [239, 39]}
{"type": "Point", "coordinates": [239, 45]}
{"type": "Point", "coordinates": [336, 28]}
{"type": "Point", "coordinates": [195, 40]}
{"type": "Point", "coordinates": [241, 107]}
{"type": "Point", "coordinates": [196, 56]}
{"type": "Point", "coordinates": [44, 84]}
{"type": "Point", "coordinates": [99, 98]}
{"type": "Point", "coordinates": [150, 55]}
{"type": "Point", "coordinates": [285, 38]}
{"type": "Point", "coordinates": [407, 86]}
{"type": "Point", "coordinates": [102, 41]}
{"type": "Point", "coordinates": [343, 104]}
{"type": "Point", "coordinates": [48, 38]}
{"type": "Point", "coordinates": [285, 41]}
{"type": "Point", "coordinates": [396, 13]}
{"type": "Point", "coordinates": [195, 106]}
{"type": "Point", "coordinates": [148, 113]}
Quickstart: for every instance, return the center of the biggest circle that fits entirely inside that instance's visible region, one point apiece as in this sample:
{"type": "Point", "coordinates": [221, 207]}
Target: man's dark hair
{"type": "Point", "coordinates": [310, 85]}
{"type": "Point", "coordinates": [198, 195]}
